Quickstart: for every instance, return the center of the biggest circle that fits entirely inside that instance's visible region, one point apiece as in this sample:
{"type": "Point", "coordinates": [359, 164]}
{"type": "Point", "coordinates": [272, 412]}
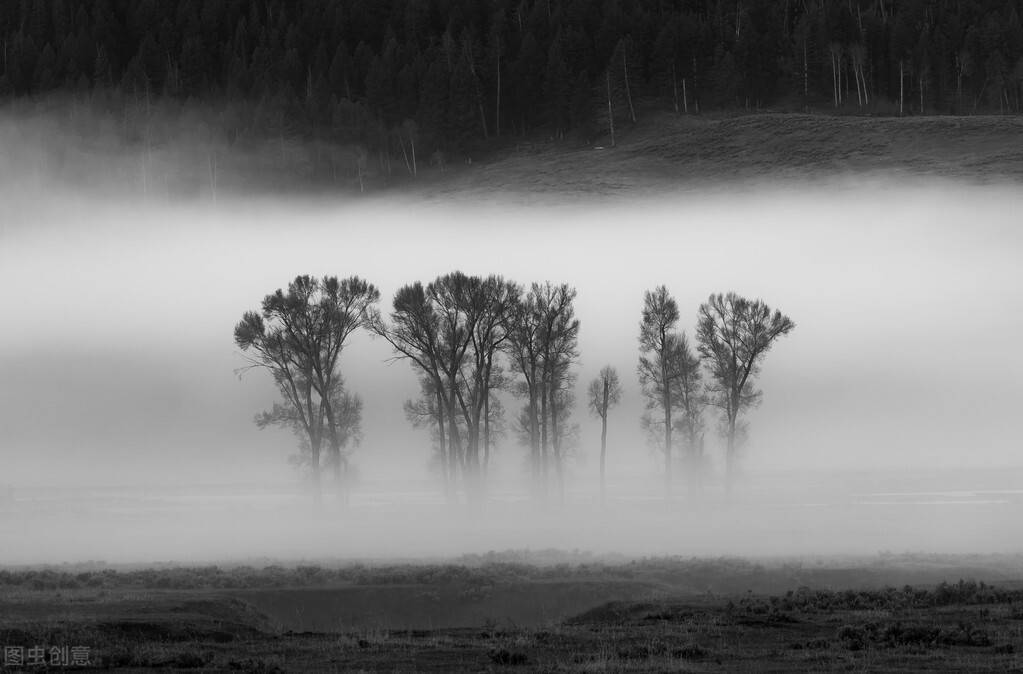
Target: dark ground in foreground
{"type": "Point", "coordinates": [886, 614]}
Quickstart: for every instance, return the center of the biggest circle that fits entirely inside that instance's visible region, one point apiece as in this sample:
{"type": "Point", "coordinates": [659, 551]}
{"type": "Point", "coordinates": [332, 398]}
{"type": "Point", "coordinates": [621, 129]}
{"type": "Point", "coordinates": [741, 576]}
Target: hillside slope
{"type": "Point", "coordinates": [688, 152]}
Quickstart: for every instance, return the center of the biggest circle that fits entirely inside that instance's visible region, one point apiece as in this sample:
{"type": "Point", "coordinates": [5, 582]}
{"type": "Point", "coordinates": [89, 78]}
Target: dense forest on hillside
{"type": "Point", "coordinates": [432, 76]}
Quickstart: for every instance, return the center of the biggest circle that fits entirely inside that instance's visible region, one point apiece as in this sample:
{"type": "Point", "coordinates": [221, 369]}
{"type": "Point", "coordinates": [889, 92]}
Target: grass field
{"type": "Point", "coordinates": [499, 613]}
{"type": "Point", "coordinates": [665, 152]}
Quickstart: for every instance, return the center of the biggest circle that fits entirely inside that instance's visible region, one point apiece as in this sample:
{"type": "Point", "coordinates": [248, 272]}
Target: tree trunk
{"type": "Point", "coordinates": [534, 436]}
{"type": "Point", "coordinates": [334, 448]}
{"type": "Point", "coordinates": [856, 76]}
{"type": "Point", "coordinates": [213, 176]}
{"type": "Point", "coordinates": [700, 465]}
{"type": "Point", "coordinates": [863, 78]}
{"type": "Point", "coordinates": [314, 460]}
{"type": "Point", "coordinates": [544, 460]}
{"type": "Point", "coordinates": [483, 119]}
{"type": "Point", "coordinates": [603, 458]}
{"type": "Point", "coordinates": [901, 78]}
{"type": "Point", "coordinates": [404, 154]}
{"type": "Point", "coordinates": [667, 447]}
{"type": "Point", "coordinates": [497, 104]}
{"type": "Point", "coordinates": [610, 110]}
{"type": "Point", "coordinates": [730, 456]}
{"type": "Point", "coordinates": [696, 100]}
{"type": "Point", "coordinates": [486, 431]}
{"type": "Point", "coordinates": [806, 78]}
{"type": "Point", "coordinates": [834, 78]}
{"type": "Point", "coordinates": [844, 92]}
{"type": "Point", "coordinates": [556, 447]}
{"type": "Point", "coordinates": [959, 88]}
{"type": "Point", "coordinates": [603, 443]}
{"type": "Point", "coordinates": [454, 439]}
{"type": "Point", "coordinates": [441, 444]}
{"type": "Point", "coordinates": [628, 91]}
{"type": "Point", "coordinates": [674, 89]}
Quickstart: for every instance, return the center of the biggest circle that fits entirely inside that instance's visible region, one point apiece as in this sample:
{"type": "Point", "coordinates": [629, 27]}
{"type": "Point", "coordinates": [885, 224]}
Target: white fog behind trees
{"type": "Point", "coordinates": [118, 367]}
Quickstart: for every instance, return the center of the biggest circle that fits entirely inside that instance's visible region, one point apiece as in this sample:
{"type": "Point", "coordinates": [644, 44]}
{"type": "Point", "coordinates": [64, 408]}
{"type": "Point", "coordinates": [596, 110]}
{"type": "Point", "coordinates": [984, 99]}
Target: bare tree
{"type": "Point", "coordinates": [452, 331]}
{"type": "Point", "coordinates": [446, 294]}
{"type": "Point", "coordinates": [344, 306]}
{"type": "Point", "coordinates": [658, 343]}
{"type": "Point", "coordinates": [298, 336]}
{"type": "Point", "coordinates": [558, 347]}
{"type": "Point", "coordinates": [690, 400]}
{"type": "Point", "coordinates": [486, 307]}
{"type": "Point", "coordinates": [541, 347]}
{"type": "Point", "coordinates": [523, 350]}
{"type": "Point", "coordinates": [734, 334]}
{"type": "Point", "coordinates": [604, 393]}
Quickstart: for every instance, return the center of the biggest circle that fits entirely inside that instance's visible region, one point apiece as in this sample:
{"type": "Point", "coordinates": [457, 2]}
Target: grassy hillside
{"type": "Point", "coordinates": [189, 153]}
{"type": "Point", "coordinates": [693, 152]}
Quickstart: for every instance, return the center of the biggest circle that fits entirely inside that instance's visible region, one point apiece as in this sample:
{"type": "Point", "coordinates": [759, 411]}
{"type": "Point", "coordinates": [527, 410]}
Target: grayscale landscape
{"type": "Point", "coordinates": [642, 380]}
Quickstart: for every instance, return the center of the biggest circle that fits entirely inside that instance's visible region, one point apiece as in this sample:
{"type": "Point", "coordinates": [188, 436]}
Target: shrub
{"type": "Point", "coordinates": [505, 657]}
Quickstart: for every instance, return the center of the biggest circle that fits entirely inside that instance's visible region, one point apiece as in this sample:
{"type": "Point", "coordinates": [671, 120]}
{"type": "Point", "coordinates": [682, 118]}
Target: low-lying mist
{"type": "Point", "coordinates": [889, 419]}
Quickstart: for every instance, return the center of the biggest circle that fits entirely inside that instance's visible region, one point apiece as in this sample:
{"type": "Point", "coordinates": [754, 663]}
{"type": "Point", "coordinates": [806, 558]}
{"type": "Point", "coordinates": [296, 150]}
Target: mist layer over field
{"type": "Point", "coordinates": [889, 420]}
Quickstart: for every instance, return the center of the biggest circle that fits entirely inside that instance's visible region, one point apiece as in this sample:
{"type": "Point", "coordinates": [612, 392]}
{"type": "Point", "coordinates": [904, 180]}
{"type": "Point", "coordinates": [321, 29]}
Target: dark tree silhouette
{"type": "Point", "coordinates": [659, 363]}
{"type": "Point", "coordinates": [487, 305]}
{"type": "Point", "coordinates": [452, 331]}
{"type": "Point", "coordinates": [690, 399]}
{"type": "Point", "coordinates": [414, 333]}
{"type": "Point", "coordinates": [558, 348]}
{"type": "Point", "coordinates": [298, 336]}
{"type": "Point", "coordinates": [605, 392]}
{"type": "Point", "coordinates": [734, 335]}
{"type": "Point", "coordinates": [523, 351]}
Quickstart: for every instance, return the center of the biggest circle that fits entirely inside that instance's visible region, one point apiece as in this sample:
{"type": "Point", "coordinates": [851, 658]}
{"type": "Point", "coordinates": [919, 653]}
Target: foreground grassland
{"type": "Point", "coordinates": [885, 614]}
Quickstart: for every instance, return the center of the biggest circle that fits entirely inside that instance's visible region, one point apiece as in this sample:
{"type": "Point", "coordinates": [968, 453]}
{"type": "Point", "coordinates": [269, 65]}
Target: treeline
{"type": "Point", "coordinates": [468, 338]}
{"type": "Point", "coordinates": [417, 78]}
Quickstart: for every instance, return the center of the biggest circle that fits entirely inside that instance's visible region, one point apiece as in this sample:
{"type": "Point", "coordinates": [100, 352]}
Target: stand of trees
{"type": "Point", "coordinates": [414, 79]}
{"type": "Point", "coordinates": [469, 337]}
{"type": "Point", "coordinates": [456, 331]}
{"type": "Point", "coordinates": [733, 335]}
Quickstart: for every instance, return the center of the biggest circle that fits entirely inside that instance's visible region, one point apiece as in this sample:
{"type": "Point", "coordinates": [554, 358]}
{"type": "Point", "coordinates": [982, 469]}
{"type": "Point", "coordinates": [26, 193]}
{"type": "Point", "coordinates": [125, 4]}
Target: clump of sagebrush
{"type": "Point", "coordinates": [506, 657]}
{"type": "Point", "coordinates": [890, 598]}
